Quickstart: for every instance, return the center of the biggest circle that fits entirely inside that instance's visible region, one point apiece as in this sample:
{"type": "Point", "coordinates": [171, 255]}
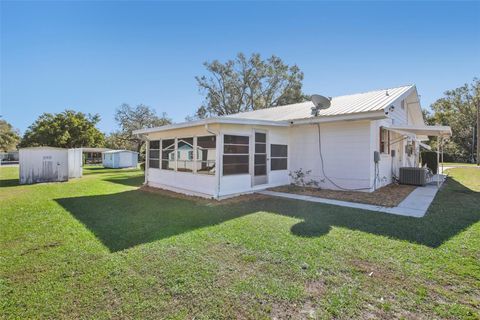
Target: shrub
{"type": "Point", "coordinates": [300, 178]}
{"type": "Point", "coordinates": [430, 159]}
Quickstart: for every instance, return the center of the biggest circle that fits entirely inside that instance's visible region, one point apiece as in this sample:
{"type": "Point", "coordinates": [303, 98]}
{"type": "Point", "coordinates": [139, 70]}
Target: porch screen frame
{"type": "Point", "coordinates": [239, 154]}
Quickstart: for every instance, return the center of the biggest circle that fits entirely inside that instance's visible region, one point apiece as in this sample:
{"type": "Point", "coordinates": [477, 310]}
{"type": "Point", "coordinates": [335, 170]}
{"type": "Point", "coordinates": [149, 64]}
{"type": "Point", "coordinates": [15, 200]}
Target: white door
{"type": "Point", "coordinates": [260, 159]}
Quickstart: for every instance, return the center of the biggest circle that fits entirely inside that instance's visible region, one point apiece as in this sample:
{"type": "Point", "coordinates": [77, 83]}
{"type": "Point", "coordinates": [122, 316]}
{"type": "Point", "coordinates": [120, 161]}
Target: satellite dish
{"type": "Point", "coordinates": [320, 103]}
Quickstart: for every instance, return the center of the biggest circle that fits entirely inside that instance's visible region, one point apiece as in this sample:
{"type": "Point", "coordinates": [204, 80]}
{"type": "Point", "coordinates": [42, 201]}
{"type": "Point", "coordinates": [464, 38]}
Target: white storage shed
{"type": "Point", "coordinates": [48, 164]}
{"type": "Point", "coordinates": [120, 159]}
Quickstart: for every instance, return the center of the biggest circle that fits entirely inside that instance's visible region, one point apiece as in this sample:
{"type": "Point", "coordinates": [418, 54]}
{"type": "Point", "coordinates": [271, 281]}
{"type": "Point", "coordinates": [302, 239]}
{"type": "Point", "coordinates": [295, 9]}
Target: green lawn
{"type": "Point", "coordinates": [459, 164]}
{"type": "Point", "coordinates": [97, 247]}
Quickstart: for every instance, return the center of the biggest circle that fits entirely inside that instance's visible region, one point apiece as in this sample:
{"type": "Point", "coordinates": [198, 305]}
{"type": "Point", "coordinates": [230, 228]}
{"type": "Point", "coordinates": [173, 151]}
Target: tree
{"type": "Point", "coordinates": [68, 129]}
{"type": "Point", "coordinates": [458, 109]}
{"type": "Point", "coordinates": [9, 137]}
{"type": "Point", "coordinates": [115, 140]}
{"type": "Point", "coordinates": [248, 84]}
{"type": "Point", "coordinates": [130, 119]}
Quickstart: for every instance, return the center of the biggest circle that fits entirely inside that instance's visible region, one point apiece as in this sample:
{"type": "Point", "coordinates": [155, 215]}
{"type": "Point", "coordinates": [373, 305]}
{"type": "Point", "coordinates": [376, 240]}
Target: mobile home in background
{"type": "Point", "coordinates": [120, 159]}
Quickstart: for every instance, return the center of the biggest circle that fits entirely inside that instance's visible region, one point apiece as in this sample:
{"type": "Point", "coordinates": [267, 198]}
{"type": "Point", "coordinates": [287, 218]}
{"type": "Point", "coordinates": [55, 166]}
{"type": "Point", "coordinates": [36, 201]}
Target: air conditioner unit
{"type": "Point", "coordinates": [413, 176]}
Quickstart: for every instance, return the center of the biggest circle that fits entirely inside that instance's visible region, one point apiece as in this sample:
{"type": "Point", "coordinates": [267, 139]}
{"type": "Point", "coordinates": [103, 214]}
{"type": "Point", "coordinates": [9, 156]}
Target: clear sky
{"type": "Point", "coordinates": [94, 56]}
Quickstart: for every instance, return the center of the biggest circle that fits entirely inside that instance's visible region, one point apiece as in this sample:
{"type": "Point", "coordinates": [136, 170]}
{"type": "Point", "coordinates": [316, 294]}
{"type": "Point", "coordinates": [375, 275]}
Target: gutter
{"type": "Point", "coordinates": [368, 115]}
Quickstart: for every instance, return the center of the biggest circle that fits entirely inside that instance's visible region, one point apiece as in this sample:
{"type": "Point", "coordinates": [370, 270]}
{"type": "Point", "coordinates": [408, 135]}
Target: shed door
{"type": "Point", "coordinates": [260, 159]}
{"type": "Point", "coordinates": [48, 173]}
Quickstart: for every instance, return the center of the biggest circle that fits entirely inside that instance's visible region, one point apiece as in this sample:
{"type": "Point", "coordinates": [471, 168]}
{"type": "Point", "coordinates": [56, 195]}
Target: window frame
{"type": "Point", "coordinates": [174, 150]}
{"type": "Point", "coordinates": [272, 157]}
{"type": "Point", "coordinates": [178, 153]}
{"type": "Point", "coordinates": [159, 154]}
{"type": "Point", "coordinates": [194, 153]}
{"type": "Point", "coordinates": [229, 154]}
{"type": "Point", "coordinates": [196, 160]}
{"type": "Point", "coordinates": [384, 142]}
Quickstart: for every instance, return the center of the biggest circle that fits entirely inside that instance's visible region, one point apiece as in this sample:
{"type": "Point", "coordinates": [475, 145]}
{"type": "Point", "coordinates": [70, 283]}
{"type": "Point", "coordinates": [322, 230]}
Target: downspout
{"type": "Point", "coordinates": [218, 164]}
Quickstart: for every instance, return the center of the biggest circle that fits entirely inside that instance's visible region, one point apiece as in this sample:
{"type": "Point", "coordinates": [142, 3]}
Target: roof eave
{"type": "Point", "coordinates": [368, 115]}
{"type": "Point", "coordinates": [212, 121]}
{"type": "Point", "coordinates": [419, 130]}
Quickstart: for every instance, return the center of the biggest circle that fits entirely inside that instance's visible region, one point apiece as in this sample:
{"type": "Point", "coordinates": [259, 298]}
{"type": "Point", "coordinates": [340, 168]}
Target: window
{"type": "Point", "coordinates": [168, 154]}
{"type": "Point", "coordinates": [384, 140]}
{"type": "Point", "coordinates": [235, 154]}
{"type": "Point", "coordinates": [206, 154]}
{"type": "Point", "coordinates": [279, 156]}
{"type": "Point", "coordinates": [154, 154]}
{"type": "Point", "coordinates": [184, 147]}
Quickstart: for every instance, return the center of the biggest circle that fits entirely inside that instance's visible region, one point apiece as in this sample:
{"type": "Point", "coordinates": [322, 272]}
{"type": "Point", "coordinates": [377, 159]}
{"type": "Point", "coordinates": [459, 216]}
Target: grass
{"type": "Point", "coordinates": [459, 164]}
{"type": "Point", "coordinates": [98, 247]}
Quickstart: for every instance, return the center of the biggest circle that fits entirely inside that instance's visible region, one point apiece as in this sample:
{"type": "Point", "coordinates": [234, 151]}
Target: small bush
{"type": "Point", "coordinates": [430, 159]}
{"type": "Point", "coordinates": [300, 178]}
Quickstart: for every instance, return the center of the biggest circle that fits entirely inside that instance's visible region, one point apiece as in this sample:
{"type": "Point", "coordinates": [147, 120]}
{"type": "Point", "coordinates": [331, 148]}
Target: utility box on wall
{"type": "Point", "coordinates": [48, 164]}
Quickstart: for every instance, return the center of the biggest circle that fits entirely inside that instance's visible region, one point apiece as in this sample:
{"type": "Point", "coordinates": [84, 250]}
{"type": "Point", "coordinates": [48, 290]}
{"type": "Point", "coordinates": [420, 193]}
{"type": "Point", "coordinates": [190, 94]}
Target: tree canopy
{"type": "Point", "coordinates": [457, 109]}
{"type": "Point", "coordinates": [131, 118]}
{"type": "Point", "coordinates": [246, 84]}
{"type": "Point", "coordinates": [9, 137]}
{"type": "Point", "coordinates": [68, 129]}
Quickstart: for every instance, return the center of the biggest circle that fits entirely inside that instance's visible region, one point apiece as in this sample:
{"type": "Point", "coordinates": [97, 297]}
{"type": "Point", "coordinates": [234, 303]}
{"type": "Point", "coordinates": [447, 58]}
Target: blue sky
{"type": "Point", "coordinates": [94, 56]}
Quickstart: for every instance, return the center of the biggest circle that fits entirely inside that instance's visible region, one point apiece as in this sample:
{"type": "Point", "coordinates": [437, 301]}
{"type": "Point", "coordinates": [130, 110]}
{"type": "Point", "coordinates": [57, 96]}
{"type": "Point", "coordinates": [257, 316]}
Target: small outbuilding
{"type": "Point", "coordinates": [48, 164]}
{"type": "Point", "coordinates": [120, 159]}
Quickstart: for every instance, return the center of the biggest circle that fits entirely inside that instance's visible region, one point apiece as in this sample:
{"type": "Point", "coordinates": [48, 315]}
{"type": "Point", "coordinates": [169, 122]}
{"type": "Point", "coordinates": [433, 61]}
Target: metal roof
{"type": "Point", "coordinates": [118, 151]}
{"type": "Point", "coordinates": [43, 148]}
{"type": "Point", "coordinates": [88, 149]}
{"type": "Point", "coordinates": [342, 105]}
{"type": "Point", "coordinates": [352, 106]}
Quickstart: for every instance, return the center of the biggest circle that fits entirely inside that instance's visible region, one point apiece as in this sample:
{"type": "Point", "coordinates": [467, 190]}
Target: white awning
{"type": "Point", "coordinates": [439, 131]}
{"type": "Point", "coordinates": [426, 146]}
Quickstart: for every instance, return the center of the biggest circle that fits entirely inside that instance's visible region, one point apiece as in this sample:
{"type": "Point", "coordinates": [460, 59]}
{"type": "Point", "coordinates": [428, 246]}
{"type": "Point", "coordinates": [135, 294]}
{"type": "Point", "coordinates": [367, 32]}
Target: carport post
{"type": "Point", "coordinates": [442, 153]}
{"type": "Point", "coordinates": [438, 161]}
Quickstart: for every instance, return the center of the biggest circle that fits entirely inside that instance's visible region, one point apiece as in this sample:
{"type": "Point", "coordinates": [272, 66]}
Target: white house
{"type": "Point", "coordinates": [119, 159]}
{"type": "Point", "coordinates": [358, 143]}
{"type": "Point", "coordinates": [48, 164]}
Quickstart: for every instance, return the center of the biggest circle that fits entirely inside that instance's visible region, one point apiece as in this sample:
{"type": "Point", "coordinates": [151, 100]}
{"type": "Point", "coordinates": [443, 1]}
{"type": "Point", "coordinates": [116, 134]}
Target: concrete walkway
{"type": "Point", "coordinates": [414, 205]}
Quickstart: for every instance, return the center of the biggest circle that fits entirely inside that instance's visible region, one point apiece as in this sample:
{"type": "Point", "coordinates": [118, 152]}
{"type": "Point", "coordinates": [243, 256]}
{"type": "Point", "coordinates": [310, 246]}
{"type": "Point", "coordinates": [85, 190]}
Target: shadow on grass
{"type": "Point", "coordinates": [128, 181]}
{"type": "Point", "coordinates": [130, 218]}
{"type": "Point", "coordinates": [9, 183]}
